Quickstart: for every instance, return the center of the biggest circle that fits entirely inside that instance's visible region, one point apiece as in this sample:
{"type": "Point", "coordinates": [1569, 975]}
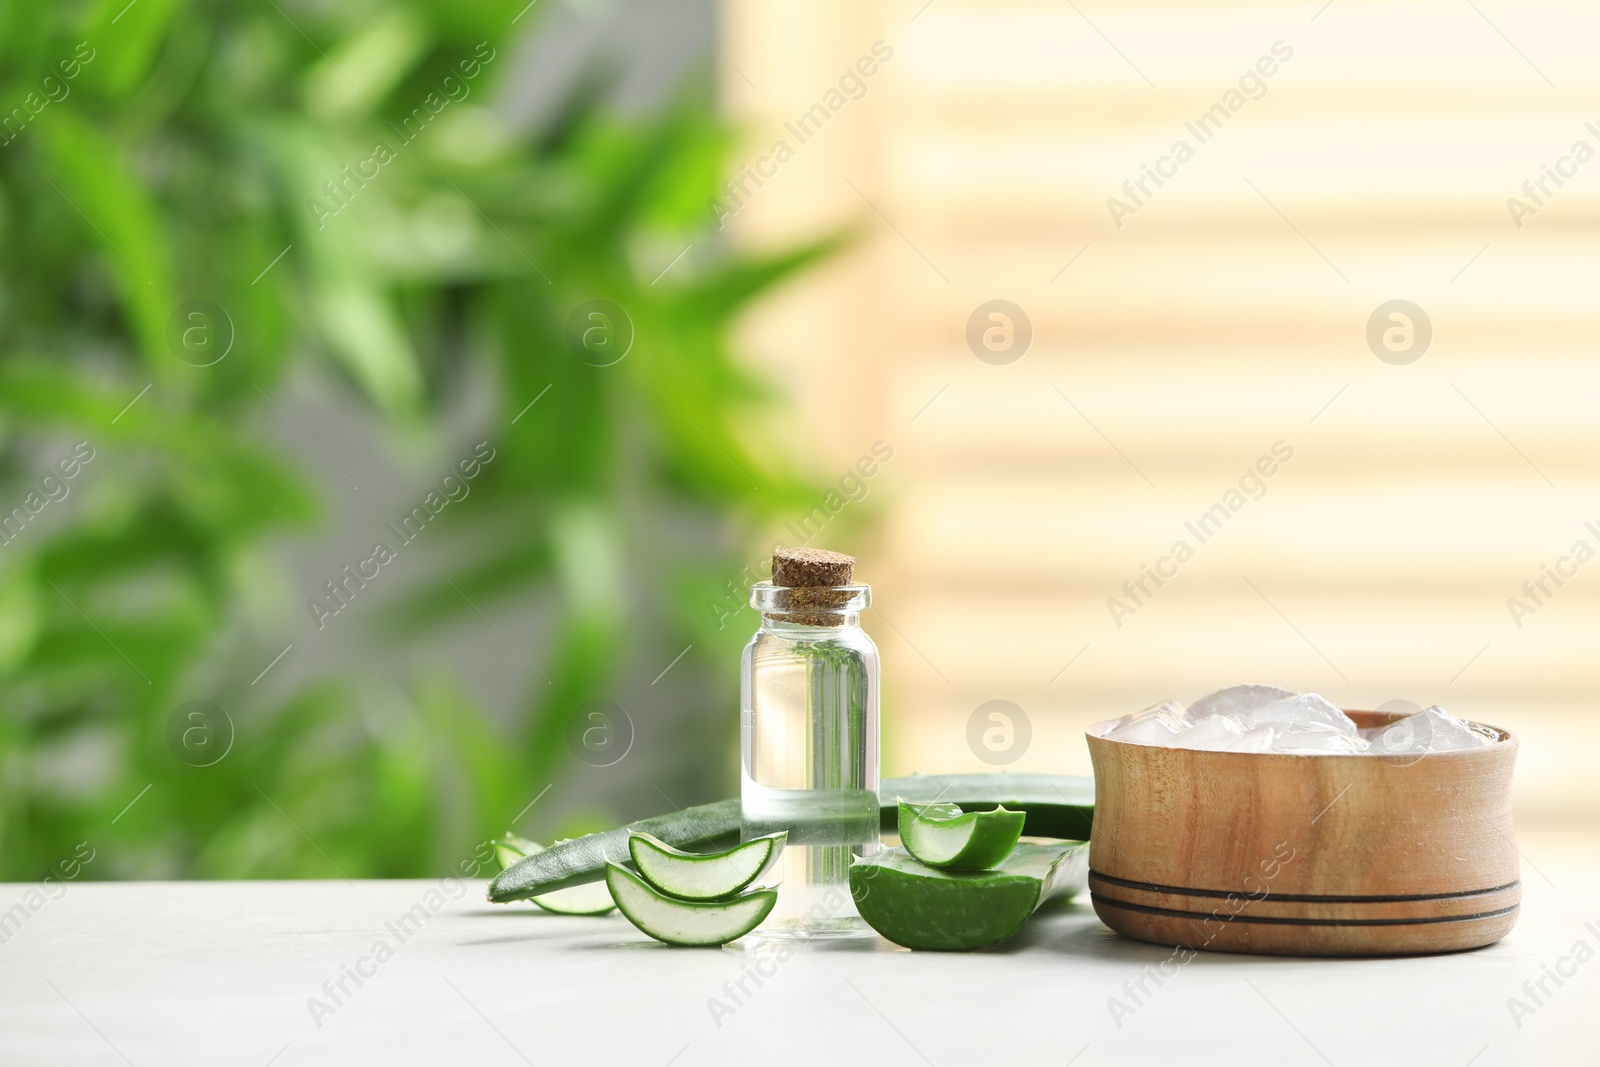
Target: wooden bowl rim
{"type": "Point", "coordinates": [1507, 742]}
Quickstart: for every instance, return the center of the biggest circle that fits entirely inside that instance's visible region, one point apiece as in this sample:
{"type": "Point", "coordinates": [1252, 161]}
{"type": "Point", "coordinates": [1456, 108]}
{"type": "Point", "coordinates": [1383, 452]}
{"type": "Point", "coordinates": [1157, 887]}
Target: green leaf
{"type": "Point", "coordinates": [103, 200]}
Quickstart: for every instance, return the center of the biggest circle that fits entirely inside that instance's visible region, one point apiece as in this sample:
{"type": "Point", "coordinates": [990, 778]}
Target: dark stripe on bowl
{"type": "Point", "coordinates": [1301, 898]}
{"type": "Point", "coordinates": [1274, 920]}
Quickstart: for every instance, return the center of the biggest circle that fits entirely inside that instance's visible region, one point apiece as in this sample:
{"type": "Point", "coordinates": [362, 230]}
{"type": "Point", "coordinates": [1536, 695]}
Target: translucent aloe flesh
{"type": "Point", "coordinates": [703, 876]}
{"type": "Point", "coordinates": [942, 835]}
{"type": "Point", "coordinates": [686, 922]}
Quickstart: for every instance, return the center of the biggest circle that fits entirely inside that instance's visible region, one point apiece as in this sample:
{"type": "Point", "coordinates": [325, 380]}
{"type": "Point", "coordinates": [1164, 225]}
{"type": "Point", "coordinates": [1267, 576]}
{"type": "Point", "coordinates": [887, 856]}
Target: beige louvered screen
{"type": "Point", "coordinates": [1336, 161]}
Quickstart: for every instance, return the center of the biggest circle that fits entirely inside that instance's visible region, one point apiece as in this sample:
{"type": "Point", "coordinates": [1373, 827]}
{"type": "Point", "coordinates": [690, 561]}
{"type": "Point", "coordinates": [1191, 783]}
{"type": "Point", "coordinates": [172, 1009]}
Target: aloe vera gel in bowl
{"type": "Point", "coordinates": [809, 737]}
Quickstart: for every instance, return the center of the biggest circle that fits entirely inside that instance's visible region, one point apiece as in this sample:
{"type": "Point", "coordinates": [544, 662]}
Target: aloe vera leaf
{"type": "Point", "coordinates": [922, 907]}
{"type": "Point", "coordinates": [583, 859]}
{"type": "Point", "coordinates": [592, 899]}
{"type": "Point", "coordinates": [686, 922]}
{"type": "Point", "coordinates": [1056, 805]}
{"type": "Point", "coordinates": [712, 876]}
{"type": "Point", "coordinates": [941, 835]}
{"type": "Point", "coordinates": [511, 848]}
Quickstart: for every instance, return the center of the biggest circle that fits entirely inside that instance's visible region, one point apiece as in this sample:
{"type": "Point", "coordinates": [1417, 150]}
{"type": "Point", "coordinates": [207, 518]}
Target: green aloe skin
{"type": "Point", "coordinates": [709, 876]}
{"type": "Point", "coordinates": [941, 835]}
{"type": "Point", "coordinates": [904, 900]}
{"type": "Point", "coordinates": [578, 900]}
{"type": "Point", "coordinates": [1058, 806]}
{"type": "Point", "coordinates": [686, 922]}
{"type": "Point", "coordinates": [922, 907]}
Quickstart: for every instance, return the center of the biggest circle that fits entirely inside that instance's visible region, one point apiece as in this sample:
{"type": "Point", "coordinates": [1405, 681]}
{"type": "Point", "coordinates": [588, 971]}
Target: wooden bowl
{"type": "Point", "coordinates": [1305, 855]}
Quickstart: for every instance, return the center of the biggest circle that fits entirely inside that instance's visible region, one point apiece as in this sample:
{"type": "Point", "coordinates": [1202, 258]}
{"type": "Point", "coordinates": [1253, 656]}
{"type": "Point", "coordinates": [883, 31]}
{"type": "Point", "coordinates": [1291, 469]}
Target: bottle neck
{"type": "Point", "coordinates": [792, 626]}
{"type": "Point", "coordinates": [811, 607]}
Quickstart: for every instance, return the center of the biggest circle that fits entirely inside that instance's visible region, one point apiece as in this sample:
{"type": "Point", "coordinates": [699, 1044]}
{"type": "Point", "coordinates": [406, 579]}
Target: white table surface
{"type": "Point", "coordinates": [221, 973]}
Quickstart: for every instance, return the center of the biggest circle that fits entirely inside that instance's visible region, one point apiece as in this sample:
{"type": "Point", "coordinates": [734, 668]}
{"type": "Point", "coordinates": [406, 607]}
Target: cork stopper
{"type": "Point", "coordinates": [810, 567]}
{"type": "Point", "coordinates": [812, 578]}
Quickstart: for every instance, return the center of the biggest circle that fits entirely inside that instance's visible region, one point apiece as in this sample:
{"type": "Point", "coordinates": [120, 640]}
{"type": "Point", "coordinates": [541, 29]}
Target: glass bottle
{"type": "Point", "coordinates": [809, 749]}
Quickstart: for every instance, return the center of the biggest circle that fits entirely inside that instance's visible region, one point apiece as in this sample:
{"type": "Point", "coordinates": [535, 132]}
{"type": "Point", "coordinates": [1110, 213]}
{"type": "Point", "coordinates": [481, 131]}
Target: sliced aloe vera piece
{"type": "Point", "coordinates": [1056, 805]}
{"type": "Point", "coordinates": [583, 859]}
{"type": "Point", "coordinates": [686, 922]}
{"type": "Point", "coordinates": [709, 876]}
{"type": "Point", "coordinates": [940, 835]}
{"type": "Point", "coordinates": [591, 899]}
{"type": "Point", "coordinates": [922, 907]}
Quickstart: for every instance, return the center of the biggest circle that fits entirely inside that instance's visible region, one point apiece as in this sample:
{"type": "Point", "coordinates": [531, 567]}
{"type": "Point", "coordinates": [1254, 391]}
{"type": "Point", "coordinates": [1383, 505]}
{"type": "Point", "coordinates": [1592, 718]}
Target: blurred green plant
{"type": "Point", "coordinates": [335, 179]}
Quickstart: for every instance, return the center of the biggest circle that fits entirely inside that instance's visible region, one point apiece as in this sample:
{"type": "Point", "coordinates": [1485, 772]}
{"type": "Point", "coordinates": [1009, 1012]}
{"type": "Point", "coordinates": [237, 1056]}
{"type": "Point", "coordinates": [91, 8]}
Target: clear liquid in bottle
{"type": "Point", "coordinates": [809, 740]}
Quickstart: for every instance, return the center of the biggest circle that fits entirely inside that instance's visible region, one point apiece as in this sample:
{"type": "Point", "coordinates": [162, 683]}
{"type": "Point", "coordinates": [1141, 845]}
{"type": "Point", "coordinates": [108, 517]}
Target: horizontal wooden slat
{"type": "Point", "coordinates": [1227, 313]}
